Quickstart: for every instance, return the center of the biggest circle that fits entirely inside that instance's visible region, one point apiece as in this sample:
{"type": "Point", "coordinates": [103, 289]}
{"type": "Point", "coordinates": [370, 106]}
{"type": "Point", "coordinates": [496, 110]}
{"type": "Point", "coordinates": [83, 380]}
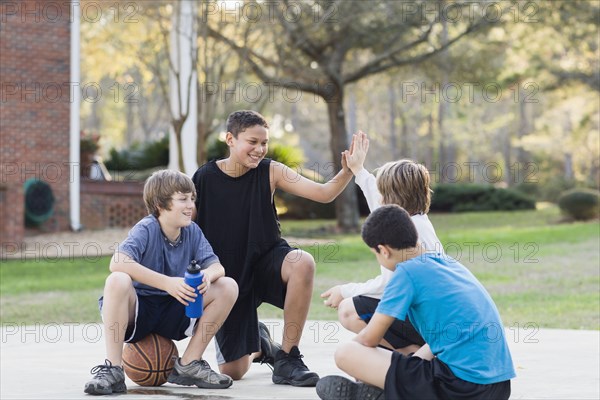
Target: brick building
{"type": "Point", "coordinates": [37, 91]}
{"type": "Point", "coordinates": [34, 109]}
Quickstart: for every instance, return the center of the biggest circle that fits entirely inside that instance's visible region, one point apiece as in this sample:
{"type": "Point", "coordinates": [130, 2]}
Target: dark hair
{"type": "Point", "coordinates": [238, 121]}
{"type": "Point", "coordinates": [162, 185]}
{"type": "Point", "coordinates": [389, 225]}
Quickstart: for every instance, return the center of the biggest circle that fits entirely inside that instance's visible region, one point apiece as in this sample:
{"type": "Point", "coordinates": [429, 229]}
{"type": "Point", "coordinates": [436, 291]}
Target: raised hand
{"type": "Point", "coordinates": [355, 158]}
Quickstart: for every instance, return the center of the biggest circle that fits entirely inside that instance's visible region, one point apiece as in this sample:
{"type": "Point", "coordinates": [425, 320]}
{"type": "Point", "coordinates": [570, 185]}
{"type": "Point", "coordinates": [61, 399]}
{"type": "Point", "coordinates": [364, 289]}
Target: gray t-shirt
{"type": "Point", "coordinates": [147, 245]}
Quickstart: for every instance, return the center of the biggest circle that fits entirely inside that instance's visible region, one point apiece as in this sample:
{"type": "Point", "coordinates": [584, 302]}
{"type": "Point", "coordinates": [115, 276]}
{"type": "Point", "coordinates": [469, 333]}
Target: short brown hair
{"type": "Point", "coordinates": [162, 185]}
{"type": "Point", "coordinates": [238, 121]}
{"type": "Point", "coordinates": [405, 183]}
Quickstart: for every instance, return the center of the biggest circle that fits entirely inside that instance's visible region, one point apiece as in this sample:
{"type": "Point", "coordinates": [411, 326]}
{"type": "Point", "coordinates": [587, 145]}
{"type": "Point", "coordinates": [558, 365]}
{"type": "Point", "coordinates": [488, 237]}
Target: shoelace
{"type": "Point", "coordinates": [206, 366]}
{"type": "Point", "coordinates": [100, 371]}
{"type": "Point", "coordinates": [296, 360]}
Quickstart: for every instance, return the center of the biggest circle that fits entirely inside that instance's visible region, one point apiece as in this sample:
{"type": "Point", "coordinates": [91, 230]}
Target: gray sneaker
{"type": "Point", "coordinates": [200, 374]}
{"type": "Point", "coordinates": [107, 379]}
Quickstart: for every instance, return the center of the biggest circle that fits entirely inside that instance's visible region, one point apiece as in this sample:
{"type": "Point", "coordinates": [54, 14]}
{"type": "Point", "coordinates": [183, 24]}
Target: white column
{"type": "Point", "coordinates": [183, 39]}
{"type": "Point", "coordinates": [74, 128]}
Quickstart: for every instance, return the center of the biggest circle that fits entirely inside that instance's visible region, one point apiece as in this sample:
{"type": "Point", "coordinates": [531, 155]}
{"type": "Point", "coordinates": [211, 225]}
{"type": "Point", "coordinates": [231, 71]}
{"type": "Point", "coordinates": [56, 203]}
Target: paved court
{"type": "Point", "coordinates": [53, 362]}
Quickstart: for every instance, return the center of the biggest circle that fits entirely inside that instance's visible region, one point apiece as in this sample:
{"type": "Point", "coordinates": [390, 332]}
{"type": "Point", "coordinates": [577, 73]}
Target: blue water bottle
{"type": "Point", "coordinates": [193, 277]}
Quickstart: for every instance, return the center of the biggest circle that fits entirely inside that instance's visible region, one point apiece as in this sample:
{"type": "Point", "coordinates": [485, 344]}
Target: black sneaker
{"type": "Point", "coordinates": [289, 369]}
{"type": "Point", "coordinates": [339, 388]}
{"type": "Point", "coordinates": [268, 347]}
{"type": "Point", "coordinates": [107, 379]}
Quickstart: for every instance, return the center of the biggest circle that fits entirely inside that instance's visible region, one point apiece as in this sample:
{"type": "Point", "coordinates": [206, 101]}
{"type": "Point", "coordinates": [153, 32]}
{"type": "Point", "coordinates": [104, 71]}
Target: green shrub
{"type": "Point", "coordinates": [531, 189]}
{"type": "Point", "coordinates": [216, 149]}
{"type": "Point", "coordinates": [140, 157]}
{"type": "Point", "coordinates": [553, 188]}
{"type": "Point", "coordinates": [477, 197]}
{"type": "Point", "coordinates": [155, 154]}
{"type": "Point", "coordinates": [580, 204]}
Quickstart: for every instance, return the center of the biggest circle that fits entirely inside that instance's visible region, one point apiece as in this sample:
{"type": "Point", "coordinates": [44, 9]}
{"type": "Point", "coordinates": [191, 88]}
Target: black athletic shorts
{"type": "Point", "coordinates": [162, 315]}
{"type": "Point", "coordinates": [399, 335]}
{"type": "Point", "coordinates": [414, 378]}
{"type": "Point", "coordinates": [239, 334]}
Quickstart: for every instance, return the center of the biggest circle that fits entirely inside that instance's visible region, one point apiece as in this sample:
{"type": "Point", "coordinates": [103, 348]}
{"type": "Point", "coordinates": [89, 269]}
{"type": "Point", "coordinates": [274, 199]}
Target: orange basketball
{"type": "Point", "coordinates": [149, 361]}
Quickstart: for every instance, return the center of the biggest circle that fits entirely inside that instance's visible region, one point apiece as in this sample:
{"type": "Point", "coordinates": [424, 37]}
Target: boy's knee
{"type": "Point", "coordinates": [228, 288]}
{"type": "Point", "coordinates": [343, 354]}
{"type": "Point", "coordinates": [118, 282]}
{"type": "Point", "coordinates": [346, 312]}
{"type": "Point", "coordinates": [305, 264]}
{"type": "Point", "coordinates": [234, 374]}
{"type": "Point", "coordinates": [235, 370]}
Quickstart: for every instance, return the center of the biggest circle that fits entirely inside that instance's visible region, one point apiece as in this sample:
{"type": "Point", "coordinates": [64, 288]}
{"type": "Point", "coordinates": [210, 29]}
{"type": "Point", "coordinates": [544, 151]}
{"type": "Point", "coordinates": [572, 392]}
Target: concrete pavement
{"type": "Point", "coordinates": [53, 362]}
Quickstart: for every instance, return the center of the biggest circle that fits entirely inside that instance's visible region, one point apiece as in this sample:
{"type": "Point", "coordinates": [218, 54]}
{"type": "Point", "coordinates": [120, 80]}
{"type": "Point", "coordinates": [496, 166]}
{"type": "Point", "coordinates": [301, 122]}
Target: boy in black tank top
{"type": "Point", "coordinates": [236, 212]}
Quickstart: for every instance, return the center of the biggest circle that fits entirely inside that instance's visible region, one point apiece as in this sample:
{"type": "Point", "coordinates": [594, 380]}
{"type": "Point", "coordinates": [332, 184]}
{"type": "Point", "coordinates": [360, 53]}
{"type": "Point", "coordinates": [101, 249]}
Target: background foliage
{"type": "Point", "coordinates": [521, 94]}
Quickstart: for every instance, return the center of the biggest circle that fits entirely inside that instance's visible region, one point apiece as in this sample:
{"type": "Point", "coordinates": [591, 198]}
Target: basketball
{"type": "Point", "coordinates": [149, 361]}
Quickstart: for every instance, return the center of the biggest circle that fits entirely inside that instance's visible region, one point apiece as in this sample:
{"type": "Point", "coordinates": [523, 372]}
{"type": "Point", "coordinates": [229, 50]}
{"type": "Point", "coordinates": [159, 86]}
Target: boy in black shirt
{"type": "Point", "coordinates": [237, 214]}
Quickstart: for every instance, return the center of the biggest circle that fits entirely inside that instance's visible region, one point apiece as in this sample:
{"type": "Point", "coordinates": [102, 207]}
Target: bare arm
{"type": "Point", "coordinates": [372, 334]}
{"type": "Point", "coordinates": [175, 286]}
{"type": "Point", "coordinates": [211, 274]}
{"type": "Point", "coordinates": [291, 181]}
{"type": "Point", "coordinates": [121, 262]}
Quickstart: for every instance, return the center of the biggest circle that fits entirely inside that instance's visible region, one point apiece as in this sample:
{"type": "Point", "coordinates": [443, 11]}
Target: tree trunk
{"type": "Point", "coordinates": [393, 139]}
{"type": "Point", "coordinates": [352, 126]}
{"type": "Point", "coordinates": [506, 156]}
{"type": "Point", "coordinates": [177, 129]}
{"type": "Point", "coordinates": [569, 175]}
{"type": "Point", "coordinates": [522, 157]}
{"type": "Point", "coordinates": [429, 152]}
{"type": "Point", "coordinates": [447, 151]}
{"type": "Point", "coordinates": [346, 205]}
{"type": "Point", "coordinates": [129, 123]}
{"type": "Point", "coordinates": [201, 141]}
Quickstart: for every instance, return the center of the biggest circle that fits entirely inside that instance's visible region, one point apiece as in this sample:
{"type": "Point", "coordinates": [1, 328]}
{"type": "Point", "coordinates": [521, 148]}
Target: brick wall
{"type": "Point", "coordinates": [111, 204]}
{"type": "Point", "coordinates": [34, 109]}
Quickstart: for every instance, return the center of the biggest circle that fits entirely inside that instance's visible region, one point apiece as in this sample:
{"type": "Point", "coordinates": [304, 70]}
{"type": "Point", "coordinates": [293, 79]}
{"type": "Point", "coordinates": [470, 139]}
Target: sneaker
{"type": "Point", "coordinates": [200, 374]}
{"type": "Point", "coordinates": [289, 369]}
{"type": "Point", "coordinates": [268, 347]}
{"type": "Point", "coordinates": [107, 379]}
{"type": "Point", "coordinates": [339, 388]}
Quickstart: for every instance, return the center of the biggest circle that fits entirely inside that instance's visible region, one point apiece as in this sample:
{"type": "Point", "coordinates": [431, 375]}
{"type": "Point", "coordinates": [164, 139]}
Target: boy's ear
{"type": "Point", "coordinates": [229, 139]}
{"type": "Point", "coordinates": [384, 250]}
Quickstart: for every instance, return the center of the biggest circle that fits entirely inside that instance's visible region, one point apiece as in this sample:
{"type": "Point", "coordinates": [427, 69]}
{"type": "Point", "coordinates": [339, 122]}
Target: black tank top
{"type": "Point", "coordinates": [237, 217]}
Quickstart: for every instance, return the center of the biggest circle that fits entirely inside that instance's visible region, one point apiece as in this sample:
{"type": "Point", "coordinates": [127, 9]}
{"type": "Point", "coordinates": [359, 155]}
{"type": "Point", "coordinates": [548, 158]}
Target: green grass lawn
{"type": "Point", "coordinates": [538, 270]}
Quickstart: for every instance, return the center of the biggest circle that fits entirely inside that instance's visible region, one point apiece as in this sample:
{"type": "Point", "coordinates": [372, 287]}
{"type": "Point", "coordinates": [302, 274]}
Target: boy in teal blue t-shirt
{"type": "Point", "coordinates": [466, 355]}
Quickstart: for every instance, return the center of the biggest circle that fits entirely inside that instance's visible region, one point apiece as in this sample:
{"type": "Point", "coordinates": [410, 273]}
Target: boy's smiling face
{"type": "Point", "coordinates": [250, 146]}
{"type": "Point", "coordinates": [180, 214]}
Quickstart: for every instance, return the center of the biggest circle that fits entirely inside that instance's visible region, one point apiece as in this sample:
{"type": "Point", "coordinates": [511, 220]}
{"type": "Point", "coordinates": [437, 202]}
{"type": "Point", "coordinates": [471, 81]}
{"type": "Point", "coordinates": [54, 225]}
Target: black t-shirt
{"type": "Point", "coordinates": [238, 218]}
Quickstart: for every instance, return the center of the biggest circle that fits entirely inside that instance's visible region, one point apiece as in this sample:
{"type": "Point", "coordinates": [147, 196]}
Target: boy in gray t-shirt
{"type": "Point", "coordinates": [146, 293]}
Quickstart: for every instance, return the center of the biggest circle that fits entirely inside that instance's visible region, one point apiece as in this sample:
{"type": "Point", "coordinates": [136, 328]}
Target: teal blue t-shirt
{"type": "Point", "coordinates": [455, 315]}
